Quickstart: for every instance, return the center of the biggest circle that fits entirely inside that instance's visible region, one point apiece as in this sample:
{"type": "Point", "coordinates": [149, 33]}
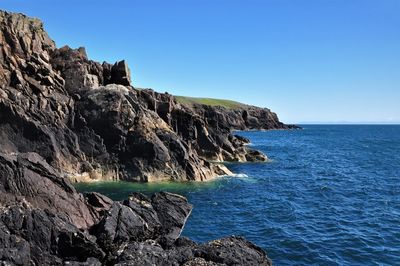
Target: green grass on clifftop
{"type": "Point", "coordinates": [208, 101]}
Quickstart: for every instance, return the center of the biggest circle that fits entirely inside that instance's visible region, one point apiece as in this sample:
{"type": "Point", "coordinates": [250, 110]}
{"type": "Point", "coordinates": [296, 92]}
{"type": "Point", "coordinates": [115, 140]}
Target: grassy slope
{"type": "Point", "coordinates": [208, 101]}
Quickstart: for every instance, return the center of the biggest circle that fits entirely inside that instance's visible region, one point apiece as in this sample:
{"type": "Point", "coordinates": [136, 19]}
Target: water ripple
{"type": "Point", "coordinates": [330, 196]}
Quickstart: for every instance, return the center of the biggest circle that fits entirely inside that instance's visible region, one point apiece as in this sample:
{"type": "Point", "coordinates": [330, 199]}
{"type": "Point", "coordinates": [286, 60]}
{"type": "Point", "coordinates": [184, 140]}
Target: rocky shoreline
{"type": "Point", "coordinates": [44, 221]}
{"type": "Point", "coordinates": [87, 120]}
{"type": "Point", "coordinates": [65, 118]}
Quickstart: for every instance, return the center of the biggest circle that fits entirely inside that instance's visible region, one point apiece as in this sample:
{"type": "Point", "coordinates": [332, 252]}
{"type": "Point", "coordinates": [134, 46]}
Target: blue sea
{"type": "Point", "coordinates": [330, 195]}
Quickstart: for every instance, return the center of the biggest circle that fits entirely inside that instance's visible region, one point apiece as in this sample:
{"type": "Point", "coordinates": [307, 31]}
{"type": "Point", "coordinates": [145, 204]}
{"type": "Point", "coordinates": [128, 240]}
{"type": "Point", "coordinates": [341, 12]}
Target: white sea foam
{"type": "Point", "coordinates": [240, 175]}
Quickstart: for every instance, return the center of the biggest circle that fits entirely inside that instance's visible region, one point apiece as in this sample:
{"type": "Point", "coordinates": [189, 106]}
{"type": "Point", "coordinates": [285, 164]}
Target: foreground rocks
{"type": "Point", "coordinates": [87, 120]}
{"type": "Point", "coordinates": [44, 221]}
{"type": "Point", "coordinates": [28, 179]}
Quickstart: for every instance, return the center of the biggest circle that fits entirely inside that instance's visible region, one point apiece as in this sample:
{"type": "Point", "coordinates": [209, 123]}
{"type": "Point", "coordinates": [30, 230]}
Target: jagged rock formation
{"type": "Point", "coordinates": [87, 120]}
{"type": "Point", "coordinates": [52, 103]}
{"type": "Point", "coordinates": [207, 129]}
{"type": "Point", "coordinates": [44, 221]}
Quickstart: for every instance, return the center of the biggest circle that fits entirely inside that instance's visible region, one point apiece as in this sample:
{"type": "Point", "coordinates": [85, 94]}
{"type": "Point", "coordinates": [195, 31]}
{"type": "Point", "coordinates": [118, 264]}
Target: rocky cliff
{"type": "Point", "coordinates": [208, 129]}
{"type": "Point", "coordinates": [87, 120]}
{"type": "Point", "coordinates": [64, 117]}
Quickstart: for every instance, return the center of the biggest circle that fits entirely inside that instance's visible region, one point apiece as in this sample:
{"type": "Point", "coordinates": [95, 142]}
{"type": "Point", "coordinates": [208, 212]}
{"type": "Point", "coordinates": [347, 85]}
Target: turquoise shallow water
{"type": "Point", "coordinates": [330, 196]}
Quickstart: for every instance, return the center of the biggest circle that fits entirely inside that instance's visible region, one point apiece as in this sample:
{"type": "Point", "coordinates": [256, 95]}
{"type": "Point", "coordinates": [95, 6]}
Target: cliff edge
{"type": "Point", "coordinates": [87, 120]}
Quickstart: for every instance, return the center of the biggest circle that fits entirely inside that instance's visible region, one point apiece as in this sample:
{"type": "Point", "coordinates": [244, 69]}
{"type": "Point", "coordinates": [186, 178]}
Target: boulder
{"type": "Point", "coordinates": [233, 251]}
{"type": "Point", "coordinates": [173, 211]}
{"type": "Point", "coordinates": [119, 225]}
{"type": "Point", "coordinates": [142, 205]}
{"type": "Point", "coordinates": [120, 73]}
{"type": "Point", "coordinates": [41, 237]}
{"type": "Point", "coordinates": [255, 156]}
{"type": "Point", "coordinates": [98, 203]}
{"type": "Point", "coordinates": [162, 218]}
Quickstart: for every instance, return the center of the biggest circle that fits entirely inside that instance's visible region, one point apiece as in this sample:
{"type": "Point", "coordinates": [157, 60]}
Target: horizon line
{"type": "Point", "coordinates": [343, 123]}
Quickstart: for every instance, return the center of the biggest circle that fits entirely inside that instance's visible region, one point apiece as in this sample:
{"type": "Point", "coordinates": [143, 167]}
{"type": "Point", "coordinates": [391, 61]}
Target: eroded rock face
{"type": "Point", "coordinates": [81, 116]}
{"type": "Point", "coordinates": [85, 119]}
{"type": "Point", "coordinates": [207, 129]}
{"type": "Point", "coordinates": [44, 221]}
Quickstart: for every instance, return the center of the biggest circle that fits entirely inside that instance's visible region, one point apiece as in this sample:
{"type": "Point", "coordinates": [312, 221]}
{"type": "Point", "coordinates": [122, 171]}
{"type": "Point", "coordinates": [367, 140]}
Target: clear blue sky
{"type": "Point", "coordinates": [307, 60]}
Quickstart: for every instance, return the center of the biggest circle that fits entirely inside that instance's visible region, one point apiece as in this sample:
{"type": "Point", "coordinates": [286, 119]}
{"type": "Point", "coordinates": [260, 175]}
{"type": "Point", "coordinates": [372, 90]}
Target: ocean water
{"type": "Point", "coordinates": [330, 195]}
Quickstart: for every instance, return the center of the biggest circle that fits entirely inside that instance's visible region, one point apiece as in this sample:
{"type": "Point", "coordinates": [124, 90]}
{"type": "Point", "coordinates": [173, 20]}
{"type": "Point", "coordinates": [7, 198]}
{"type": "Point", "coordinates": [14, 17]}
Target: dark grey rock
{"type": "Point", "coordinates": [44, 238]}
{"type": "Point", "coordinates": [121, 224]}
{"type": "Point", "coordinates": [201, 262]}
{"type": "Point", "coordinates": [173, 211]}
{"type": "Point", "coordinates": [29, 177]}
{"type": "Point", "coordinates": [88, 262]}
{"type": "Point", "coordinates": [98, 200]}
{"type": "Point", "coordinates": [233, 251]}
{"type": "Point", "coordinates": [255, 156]}
{"type": "Point", "coordinates": [120, 73]}
{"type": "Point", "coordinates": [144, 253]}
{"type": "Point", "coordinates": [142, 205]}
{"type": "Point", "coordinates": [99, 204]}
